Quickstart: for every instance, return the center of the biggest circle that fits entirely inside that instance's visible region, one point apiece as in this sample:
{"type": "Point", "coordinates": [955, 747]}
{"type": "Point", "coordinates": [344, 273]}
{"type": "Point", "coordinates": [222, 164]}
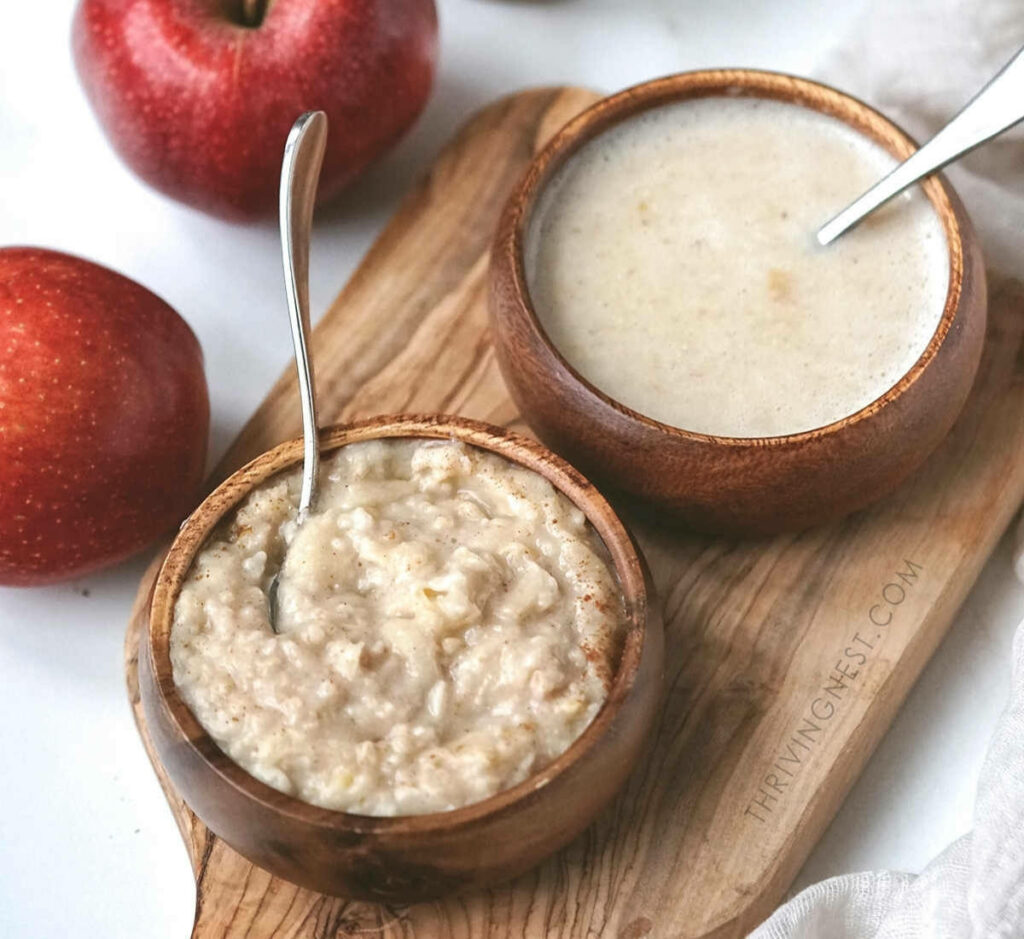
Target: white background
{"type": "Point", "coordinates": [87, 845]}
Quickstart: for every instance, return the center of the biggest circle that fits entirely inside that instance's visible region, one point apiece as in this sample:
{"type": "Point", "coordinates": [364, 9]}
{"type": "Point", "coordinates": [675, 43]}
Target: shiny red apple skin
{"type": "Point", "coordinates": [104, 417]}
{"type": "Point", "coordinates": [200, 106]}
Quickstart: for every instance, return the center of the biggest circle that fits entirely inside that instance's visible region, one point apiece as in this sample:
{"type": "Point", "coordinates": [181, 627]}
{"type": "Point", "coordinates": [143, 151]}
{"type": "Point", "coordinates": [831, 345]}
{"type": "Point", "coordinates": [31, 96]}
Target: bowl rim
{"type": "Point", "coordinates": [629, 568]}
{"type": "Point", "coordinates": [727, 83]}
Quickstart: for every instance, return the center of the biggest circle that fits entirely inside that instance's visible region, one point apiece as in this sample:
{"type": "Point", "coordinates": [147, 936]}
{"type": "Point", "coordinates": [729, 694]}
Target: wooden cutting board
{"type": "Point", "coordinates": [786, 658]}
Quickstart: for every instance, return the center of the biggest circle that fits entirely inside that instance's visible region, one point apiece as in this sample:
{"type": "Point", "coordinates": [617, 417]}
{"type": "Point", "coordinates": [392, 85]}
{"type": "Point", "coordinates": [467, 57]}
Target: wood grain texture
{"type": "Point", "coordinates": [770, 710]}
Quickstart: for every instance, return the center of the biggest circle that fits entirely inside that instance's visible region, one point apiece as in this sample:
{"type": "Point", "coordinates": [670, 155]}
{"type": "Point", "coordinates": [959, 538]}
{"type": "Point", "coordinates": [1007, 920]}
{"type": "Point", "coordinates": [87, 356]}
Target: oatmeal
{"type": "Point", "coordinates": [449, 624]}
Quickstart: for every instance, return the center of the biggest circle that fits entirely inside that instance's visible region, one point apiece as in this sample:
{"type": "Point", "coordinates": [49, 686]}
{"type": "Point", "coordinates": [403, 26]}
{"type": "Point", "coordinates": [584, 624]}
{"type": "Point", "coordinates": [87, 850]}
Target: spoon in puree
{"type": "Point", "coordinates": [994, 109]}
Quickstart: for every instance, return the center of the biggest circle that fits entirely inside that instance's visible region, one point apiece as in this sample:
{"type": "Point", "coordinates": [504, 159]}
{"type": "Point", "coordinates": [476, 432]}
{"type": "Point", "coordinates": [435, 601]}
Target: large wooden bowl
{"type": "Point", "coordinates": [746, 485]}
{"type": "Point", "coordinates": [411, 857]}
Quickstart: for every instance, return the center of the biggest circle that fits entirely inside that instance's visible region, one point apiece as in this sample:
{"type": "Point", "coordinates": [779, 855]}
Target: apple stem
{"type": "Point", "coordinates": [253, 12]}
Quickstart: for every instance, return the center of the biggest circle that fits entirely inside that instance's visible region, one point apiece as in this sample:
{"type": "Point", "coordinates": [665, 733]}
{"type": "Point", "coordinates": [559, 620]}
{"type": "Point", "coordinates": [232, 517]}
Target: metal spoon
{"type": "Point", "coordinates": [997, 107]}
{"type": "Point", "coordinates": [300, 172]}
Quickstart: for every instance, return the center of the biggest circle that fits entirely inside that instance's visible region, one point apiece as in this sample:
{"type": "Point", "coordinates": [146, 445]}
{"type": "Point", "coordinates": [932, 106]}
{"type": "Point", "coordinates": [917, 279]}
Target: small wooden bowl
{"type": "Point", "coordinates": [421, 856]}
{"type": "Point", "coordinates": [742, 485]}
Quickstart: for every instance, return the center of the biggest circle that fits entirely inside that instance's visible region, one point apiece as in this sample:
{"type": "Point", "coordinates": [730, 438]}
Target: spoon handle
{"type": "Point", "coordinates": [997, 107]}
{"type": "Point", "coordinates": [300, 172]}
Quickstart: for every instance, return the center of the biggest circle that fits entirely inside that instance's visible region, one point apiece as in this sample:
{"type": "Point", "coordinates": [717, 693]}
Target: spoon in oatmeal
{"type": "Point", "coordinates": [300, 171]}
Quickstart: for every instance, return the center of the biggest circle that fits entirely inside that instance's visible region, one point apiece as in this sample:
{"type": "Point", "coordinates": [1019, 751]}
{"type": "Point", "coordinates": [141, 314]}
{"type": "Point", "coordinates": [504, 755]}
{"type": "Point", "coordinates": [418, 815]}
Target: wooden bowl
{"type": "Point", "coordinates": [410, 857]}
{"type": "Point", "coordinates": [743, 485]}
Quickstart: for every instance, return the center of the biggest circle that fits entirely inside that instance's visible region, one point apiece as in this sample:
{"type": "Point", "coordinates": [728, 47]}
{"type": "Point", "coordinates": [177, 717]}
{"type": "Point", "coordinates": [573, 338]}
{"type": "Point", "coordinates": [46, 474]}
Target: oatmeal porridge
{"type": "Point", "coordinates": [449, 624]}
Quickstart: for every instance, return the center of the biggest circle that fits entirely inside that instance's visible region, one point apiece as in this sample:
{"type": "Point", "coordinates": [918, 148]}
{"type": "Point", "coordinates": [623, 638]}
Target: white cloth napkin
{"type": "Point", "coordinates": [919, 61]}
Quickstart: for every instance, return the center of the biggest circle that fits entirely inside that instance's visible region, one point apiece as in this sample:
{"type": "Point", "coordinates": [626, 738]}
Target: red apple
{"type": "Point", "coordinates": [197, 96]}
{"type": "Point", "coordinates": [104, 416]}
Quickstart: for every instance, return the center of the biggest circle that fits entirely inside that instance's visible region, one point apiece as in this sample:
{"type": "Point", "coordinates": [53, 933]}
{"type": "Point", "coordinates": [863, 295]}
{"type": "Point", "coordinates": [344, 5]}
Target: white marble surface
{"type": "Point", "coordinates": [87, 846]}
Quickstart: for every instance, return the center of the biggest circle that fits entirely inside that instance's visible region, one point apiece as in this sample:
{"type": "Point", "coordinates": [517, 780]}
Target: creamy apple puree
{"type": "Point", "coordinates": [449, 625]}
{"type": "Point", "coordinates": [672, 262]}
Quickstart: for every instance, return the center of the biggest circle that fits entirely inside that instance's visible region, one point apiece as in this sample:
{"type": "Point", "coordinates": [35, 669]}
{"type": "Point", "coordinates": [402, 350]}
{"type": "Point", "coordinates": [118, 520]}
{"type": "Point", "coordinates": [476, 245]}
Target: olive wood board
{"type": "Point", "coordinates": [786, 658]}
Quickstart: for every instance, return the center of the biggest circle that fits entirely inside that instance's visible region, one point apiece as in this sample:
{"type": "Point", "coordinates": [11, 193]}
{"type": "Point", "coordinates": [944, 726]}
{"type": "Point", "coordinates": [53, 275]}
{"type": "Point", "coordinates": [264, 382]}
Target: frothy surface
{"type": "Point", "coordinates": [672, 262]}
